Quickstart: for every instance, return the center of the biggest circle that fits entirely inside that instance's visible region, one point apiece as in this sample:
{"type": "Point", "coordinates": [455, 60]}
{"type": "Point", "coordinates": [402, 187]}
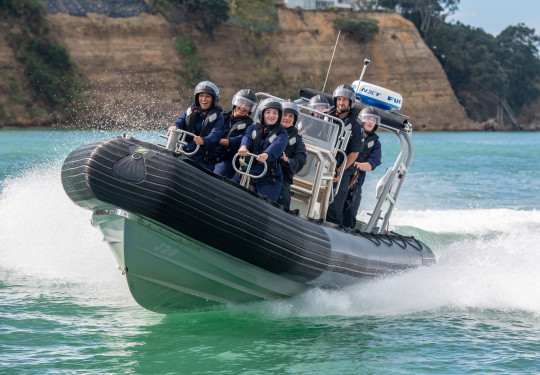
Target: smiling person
{"type": "Point", "coordinates": [294, 157]}
{"type": "Point", "coordinates": [267, 139]}
{"type": "Point", "coordinates": [367, 160]}
{"type": "Point", "coordinates": [236, 123]}
{"type": "Point", "coordinates": [204, 119]}
{"type": "Point", "coordinates": [344, 96]}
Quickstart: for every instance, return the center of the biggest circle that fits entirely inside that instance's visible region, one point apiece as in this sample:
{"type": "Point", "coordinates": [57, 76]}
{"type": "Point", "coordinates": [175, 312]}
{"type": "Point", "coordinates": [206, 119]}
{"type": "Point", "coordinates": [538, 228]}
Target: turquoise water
{"type": "Point", "coordinates": [473, 197]}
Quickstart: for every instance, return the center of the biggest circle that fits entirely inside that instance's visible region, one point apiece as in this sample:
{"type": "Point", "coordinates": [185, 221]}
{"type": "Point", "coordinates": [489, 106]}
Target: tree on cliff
{"type": "Point", "coordinates": [209, 13]}
{"type": "Point", "coordinates": [519, 55]}
{"type": "Point", "coordinates": [484, 69]}
{"type": "Point", "coordinates": [46, 80]}
{"type": "Point", "coordinates": [203, 14]}
{"type": "Point", "coordinates": [426, 14]}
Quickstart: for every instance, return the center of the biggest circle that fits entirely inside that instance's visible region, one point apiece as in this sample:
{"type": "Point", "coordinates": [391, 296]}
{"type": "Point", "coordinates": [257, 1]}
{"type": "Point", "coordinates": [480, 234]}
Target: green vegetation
{"type": "Point", "coordinates": [206, 15]}
{"type": "Point", "coordinates": [254, 15]}
{"type": "Point", "coordinates": [482, 69]}
{"type": "Point", "coordinates": [15, 94]}
{"type": "Point", "coordinates": [50, 75]}
{"type": "Point", "coordinates": [426, 14]}
{"type": "Point", "coordinates": [361, 30]}
{"type": "Point", "coordinates": [191, 71]}
{"type": "Point", "coordinates": [3, 111]}
{"type": "Point", "coordinates": [184, 46]}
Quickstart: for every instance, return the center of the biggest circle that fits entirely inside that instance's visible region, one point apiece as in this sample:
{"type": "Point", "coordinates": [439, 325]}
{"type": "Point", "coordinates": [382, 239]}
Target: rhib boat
{"type": "Point", "coordinates": [187, 239]}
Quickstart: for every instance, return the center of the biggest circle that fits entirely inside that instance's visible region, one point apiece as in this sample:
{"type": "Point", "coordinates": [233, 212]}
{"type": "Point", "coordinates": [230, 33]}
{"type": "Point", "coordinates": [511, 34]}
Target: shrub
{"type": "Point", "coordinates": [360, 30]}
{"type": "Point", "coordinates": [51, 74]}
{"type": "Point", "coordinates": [191, 71]}
{"type": "Point", "coordinates": [254, 15]}
{"type": "Point", "coordinates": [184, 46]}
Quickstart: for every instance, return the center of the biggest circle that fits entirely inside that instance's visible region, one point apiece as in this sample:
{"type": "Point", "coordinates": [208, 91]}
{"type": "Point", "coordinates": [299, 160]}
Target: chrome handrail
{"type": "Point", "coordinates": [176, 141]}
{"type": "Point", "coordinates": [245, 174]}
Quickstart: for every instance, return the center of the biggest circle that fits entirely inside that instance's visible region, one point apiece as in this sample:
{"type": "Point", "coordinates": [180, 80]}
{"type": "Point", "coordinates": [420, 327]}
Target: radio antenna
{"type": "Point", "coordinates": [332, 59]}
{"type": "Point", "coordinates": [366, 63]}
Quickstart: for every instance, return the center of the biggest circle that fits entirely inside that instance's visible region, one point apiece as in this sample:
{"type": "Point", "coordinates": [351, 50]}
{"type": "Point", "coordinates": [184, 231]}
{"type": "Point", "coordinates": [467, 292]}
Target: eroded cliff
{"type": "Point", "coordinates": [132, 66]}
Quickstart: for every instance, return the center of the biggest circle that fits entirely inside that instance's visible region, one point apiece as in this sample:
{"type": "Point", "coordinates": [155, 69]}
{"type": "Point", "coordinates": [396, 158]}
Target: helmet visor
{"type": "Point", "coordinates": [243, 104]}
{"type": "Point", "coordinates": [321, 107]}
{"type": "Point", "coordinates": [365, 117]}
{"type": "Point", "coordinates": [207, 87]}
{"type": "Point", "coordinates": [342, 91]}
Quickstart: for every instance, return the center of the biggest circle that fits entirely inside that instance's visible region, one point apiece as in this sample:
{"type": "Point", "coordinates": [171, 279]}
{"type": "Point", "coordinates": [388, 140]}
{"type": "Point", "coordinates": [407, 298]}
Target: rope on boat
{"type": "Point", "coordinates": [389, 239]}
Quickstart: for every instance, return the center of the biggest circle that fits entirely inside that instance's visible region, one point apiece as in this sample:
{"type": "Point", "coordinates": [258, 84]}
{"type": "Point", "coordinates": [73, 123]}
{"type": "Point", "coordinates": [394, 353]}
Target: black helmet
{"type": "Point", "coordinates": [246, 98]}
{"type": "Point", "coordinates": [319, 103]}
{"type": "Point", "coordinates": [291, 107]}
{"type": "Point", "coordinates": [269, 103]}
{"type": "Point", "coordinates": [370, 112]}
{"type": "Point", "coordinates": [206, 87]}
{"type": "Point", "coordinates": [345, 90]}
{"type": "Point", "coordinates": [318, 100]}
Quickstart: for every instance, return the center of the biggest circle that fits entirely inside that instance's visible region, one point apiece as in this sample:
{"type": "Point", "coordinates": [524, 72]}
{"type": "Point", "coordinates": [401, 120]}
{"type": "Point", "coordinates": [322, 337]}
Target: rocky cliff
{"type": "Point", "coordinates": [132, 66]}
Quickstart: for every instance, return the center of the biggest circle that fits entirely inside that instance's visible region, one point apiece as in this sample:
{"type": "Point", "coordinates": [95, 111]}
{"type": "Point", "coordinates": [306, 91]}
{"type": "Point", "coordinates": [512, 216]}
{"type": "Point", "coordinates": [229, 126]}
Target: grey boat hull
{"type": "Point", "coordinates": [188, 239]}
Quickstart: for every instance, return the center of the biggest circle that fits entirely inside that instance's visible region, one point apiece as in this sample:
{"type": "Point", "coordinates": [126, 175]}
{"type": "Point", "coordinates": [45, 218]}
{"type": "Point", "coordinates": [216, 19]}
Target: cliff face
{"type": "Point", "coordinates": [132, 65]}
{"type": "Point", "coordinates": [301, 52]}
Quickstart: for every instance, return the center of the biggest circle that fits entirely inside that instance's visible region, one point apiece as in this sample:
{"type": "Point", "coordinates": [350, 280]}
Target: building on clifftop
{"type": "Point", "coordinates": [319, 4]}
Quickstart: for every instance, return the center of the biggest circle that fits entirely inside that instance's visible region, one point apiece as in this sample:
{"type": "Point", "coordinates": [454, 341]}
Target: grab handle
{"type": "Point", "coordinates": [245, 174]}
{"type": "Point", "coordinates": [176, 141]}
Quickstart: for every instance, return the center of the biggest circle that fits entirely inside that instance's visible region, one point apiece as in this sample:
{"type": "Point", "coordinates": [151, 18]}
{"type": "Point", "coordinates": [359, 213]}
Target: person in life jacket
{"type": "Point", "coordinates": [295, 155]}
{"type": "Point", "coordinates": [318, 103]}
{"type": "Point", "coordinates": [236, 123]}
{"type": "Point", "coordinates": [267, 139]}
{"type": "Point", "coordinates": [367, 160]}
{"type": "Point", "coordinates": [344, 97]}
{"type": "Point", "coordinates": [204, 119]}
{"type": "Point", "coordinates": [315, 129]}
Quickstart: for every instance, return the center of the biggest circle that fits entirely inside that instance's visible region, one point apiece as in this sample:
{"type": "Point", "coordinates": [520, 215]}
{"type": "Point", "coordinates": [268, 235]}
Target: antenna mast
{"type": "Point", "coordinates": [366, 63]}
{"type": "Point", "coordinates": [332, 59]}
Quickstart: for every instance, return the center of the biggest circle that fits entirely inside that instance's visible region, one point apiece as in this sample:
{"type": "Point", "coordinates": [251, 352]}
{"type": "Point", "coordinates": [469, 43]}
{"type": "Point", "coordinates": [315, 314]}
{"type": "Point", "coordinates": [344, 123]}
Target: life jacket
{"type": "Point", "coordinates": [238, 126]}
{"type": "Point", "coordinates": [259, 134]}
{"type": "Point", "coordinates": [269, 136]}
{"type": "Point", "coordinates": [292, 134]}
{"type": "Point", "coordinates": [193, 115]}
{"type": "Point", "coordinates": [351, 117]}
{"type": "Point", "coordinates": [349, 122]}
{"type": "Point", "coordinates": [369, 142]}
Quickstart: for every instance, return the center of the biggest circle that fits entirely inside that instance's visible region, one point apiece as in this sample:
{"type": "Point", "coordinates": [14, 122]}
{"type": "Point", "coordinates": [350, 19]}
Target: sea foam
{"type": "Point", "coordinates": [488, 259]}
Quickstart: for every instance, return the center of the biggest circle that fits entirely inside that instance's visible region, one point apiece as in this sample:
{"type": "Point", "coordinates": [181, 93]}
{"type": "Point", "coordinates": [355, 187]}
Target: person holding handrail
{"type": "Point", "coordinates": [204, 119]}
{"type": "Point", "coordinates": [267, 139]}
{"type": "Point", "coordinates": [236, 123]}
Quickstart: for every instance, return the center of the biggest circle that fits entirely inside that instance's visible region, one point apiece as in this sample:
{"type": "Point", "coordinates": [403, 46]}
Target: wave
{"type": "Point", "coordinates": [43, 233]}
{"type": "Point", "coordinates": [501, 274]}
{"type": "Point", "coordinates": [477, 221]}
{"type": "Point", "coordinates": [492, 265]}
{"type": "Point", "coordinates": [487, 258]}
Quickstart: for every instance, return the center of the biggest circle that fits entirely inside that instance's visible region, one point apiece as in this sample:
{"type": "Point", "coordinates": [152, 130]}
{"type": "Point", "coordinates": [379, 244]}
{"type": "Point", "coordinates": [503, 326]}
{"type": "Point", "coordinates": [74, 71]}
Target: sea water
{"type": "Point", "coordinates": [474, 198]}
